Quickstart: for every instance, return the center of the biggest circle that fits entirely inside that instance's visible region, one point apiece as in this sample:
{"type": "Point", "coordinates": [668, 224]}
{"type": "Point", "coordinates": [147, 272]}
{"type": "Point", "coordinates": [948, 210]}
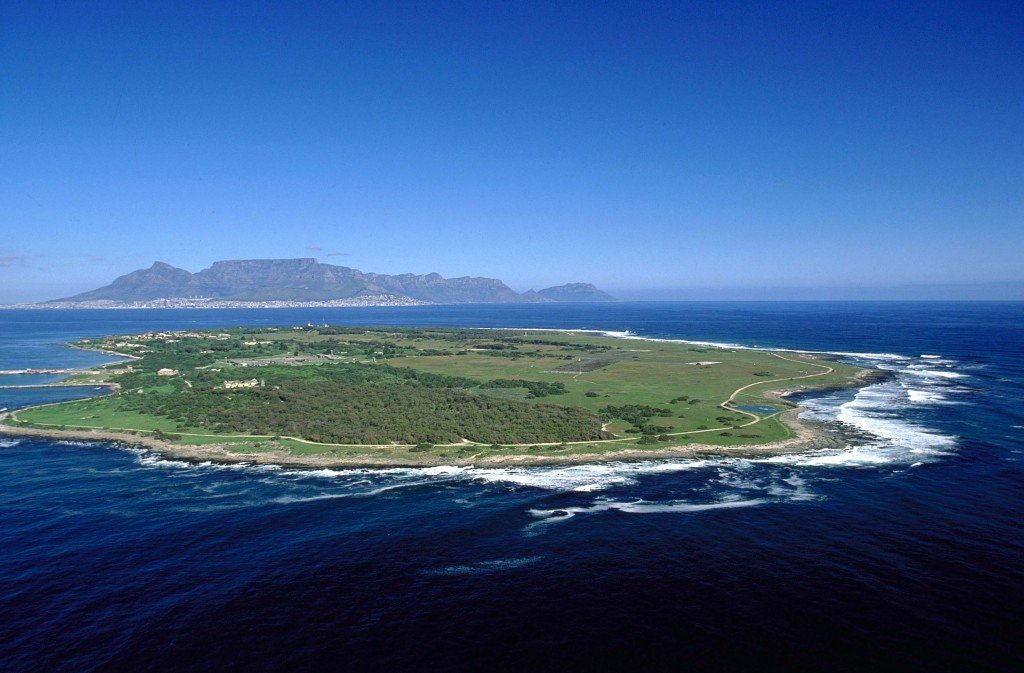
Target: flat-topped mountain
{"type": "Point", "coordinates": [309, 280]}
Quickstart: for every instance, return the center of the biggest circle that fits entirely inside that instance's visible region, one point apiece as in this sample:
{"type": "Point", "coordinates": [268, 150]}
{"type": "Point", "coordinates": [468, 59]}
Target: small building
{"type": "Point", "coordinates": [251, 383]}
{"type": "Point", "coordinates": [167, 372]}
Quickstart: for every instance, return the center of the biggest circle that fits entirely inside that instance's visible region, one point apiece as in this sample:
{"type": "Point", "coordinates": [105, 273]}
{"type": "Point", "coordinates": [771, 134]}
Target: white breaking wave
{"type": "Point", "coordinates": [369, 493]}
{"type": "Point", "coordinates": [884, 357]}
{"type": "Point", "coordinates": [550, 516]}
{"type": "Point", "coordinates": [740, 477]}
{"type": "Point", "coordinates": [857, 456]}
{"type": "Point", "coordinates": [642, 507]}
{"type": "Point", "coordinates": [928, 397]}
{"type": "Point", "coordinates": [368, 481]}
{"type": "Point", "coordinates": [323, 473]}
{"type": "Point", "coordinates": [293, 499]}
{"type": "Point", "coordinates": [626, 334]}
{"type": "Point", "coordinates": [934, 373]}
{"type": "Point", "coordinates": [8, 443]}
{"type": "Point", "coordinates": [881, 411]}
{"type": "Point", "coordinates": [148, 458]}
{"type": "Point", "coordinates": [582, 478]}
{"type": "Point", "coordinates": [483, 566]}
{"type": "Point", "coordinates": [153, 460]}
{"type": "Point", "coordinates": [874, 410]}
{"type": "Point", "coordinates": [878, 410]}
{"type": "Point", "coordinates": [797, 489]}
{"type": "Point", "coordinates": [743, 475]}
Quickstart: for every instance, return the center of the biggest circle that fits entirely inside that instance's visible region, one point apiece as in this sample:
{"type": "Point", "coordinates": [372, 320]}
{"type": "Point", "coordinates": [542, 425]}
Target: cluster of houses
{"type": "Point", "coordinates": [229, 385]}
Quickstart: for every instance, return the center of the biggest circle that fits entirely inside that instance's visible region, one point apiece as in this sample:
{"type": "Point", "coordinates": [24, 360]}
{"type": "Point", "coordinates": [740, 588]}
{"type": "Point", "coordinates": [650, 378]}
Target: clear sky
{"type": "Point", "coordinates": [659, 150]}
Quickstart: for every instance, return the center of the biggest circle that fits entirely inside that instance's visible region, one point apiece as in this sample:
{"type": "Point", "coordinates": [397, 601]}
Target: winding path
{"type": "Point", "coordinates": [728, 404]}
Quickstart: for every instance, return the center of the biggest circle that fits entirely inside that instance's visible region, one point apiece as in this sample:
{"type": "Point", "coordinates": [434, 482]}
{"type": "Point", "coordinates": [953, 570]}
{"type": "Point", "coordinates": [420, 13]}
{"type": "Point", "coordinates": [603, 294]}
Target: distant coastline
{"type": "Point", "coordinates": [203, 302]}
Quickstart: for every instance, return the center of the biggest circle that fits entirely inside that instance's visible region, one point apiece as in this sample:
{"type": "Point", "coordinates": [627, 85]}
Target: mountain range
{"type": "Point", "coordinates": [309, 280]}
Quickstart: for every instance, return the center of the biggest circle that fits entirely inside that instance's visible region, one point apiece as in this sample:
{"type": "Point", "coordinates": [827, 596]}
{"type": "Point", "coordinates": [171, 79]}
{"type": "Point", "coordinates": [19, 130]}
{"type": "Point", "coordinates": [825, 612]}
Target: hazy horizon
{"type": "Point", "coordinates": [992, 291]}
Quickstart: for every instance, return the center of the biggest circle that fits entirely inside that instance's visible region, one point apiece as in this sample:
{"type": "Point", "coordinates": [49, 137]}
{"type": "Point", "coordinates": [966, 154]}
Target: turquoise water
{"type": "Point", "coordinates": [757, 409]}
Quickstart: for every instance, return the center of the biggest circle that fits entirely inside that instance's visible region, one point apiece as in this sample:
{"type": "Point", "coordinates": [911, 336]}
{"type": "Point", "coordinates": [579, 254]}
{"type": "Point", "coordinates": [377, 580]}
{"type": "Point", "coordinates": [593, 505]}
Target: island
{"type": "Point", "coordinates": [357, 396]}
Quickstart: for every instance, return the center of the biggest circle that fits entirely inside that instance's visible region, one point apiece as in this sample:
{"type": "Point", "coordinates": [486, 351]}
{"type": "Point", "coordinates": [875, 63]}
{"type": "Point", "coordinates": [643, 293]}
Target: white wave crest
{"type": "Point", "coordinates": [858, 456]}
{"type": "Point", "coordinates": [880, 411]}
{"type": "Point", "coordinates": [152, 460]}
{"type": "Point", "coordinates": [581, 478]}
{"type": "Point", "coordinates": [364, 493]}
{"type": "Point", "coordinates": [741, 476]}
{"type": "Point", "coordinates": [883, 357]}
{"type": "Point", "coordinates": [8, 443]}
{"type": "Point", "coordinates": [927, 397]}
{"type": "Point", "coordinates": [934, 373]}
{"type": "Point", "coordinates": [322, 473]}
{"type": "Point", "coordinates": [483, 566]}
{"type": "Point", "coordinates": [873, 409]}
{"type": "Point", "coordinates": [293, 499]}
{"type": "Point", "coordinates": [549, 516]}
{"type": "Point", "coordinates": [627, 334]}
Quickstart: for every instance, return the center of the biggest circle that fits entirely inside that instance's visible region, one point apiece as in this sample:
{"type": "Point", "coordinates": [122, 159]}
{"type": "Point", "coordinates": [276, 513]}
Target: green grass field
{"type": "Point", "coordinates": [635, 394]}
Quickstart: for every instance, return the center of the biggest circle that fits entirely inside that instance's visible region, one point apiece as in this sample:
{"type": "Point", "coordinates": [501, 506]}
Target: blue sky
{"type": "Point", "coordinates": [658, 150]}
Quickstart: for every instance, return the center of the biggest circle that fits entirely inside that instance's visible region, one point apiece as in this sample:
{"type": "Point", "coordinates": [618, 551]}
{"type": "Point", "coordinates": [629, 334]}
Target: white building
{"type": "Point", "coordinates": [251, 383]}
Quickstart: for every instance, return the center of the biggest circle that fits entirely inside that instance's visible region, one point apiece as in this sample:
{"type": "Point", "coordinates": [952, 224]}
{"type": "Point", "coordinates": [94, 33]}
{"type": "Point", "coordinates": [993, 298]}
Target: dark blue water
{"type": "Point", "coordinates": [905, 548]}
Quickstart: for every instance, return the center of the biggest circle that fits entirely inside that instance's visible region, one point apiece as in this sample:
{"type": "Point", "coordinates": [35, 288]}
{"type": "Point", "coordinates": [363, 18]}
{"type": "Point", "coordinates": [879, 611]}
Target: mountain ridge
{"type": "Point", "coordinates": [307, 279]}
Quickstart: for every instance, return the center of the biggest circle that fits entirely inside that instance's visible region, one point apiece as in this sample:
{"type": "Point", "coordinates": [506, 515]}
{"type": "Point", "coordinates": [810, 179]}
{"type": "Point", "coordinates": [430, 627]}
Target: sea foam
{"type": "Point", "coordinates": [483, 566]}
{"type": "Point", "coordinates": [547, 517]}
{"type": "Point", "coordinates": [582, 478]}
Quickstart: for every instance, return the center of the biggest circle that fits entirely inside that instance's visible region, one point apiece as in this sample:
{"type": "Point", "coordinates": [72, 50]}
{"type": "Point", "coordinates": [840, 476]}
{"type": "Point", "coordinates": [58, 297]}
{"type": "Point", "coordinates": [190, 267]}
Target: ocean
{"type": "Point", "coordinates": [904, 548]}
